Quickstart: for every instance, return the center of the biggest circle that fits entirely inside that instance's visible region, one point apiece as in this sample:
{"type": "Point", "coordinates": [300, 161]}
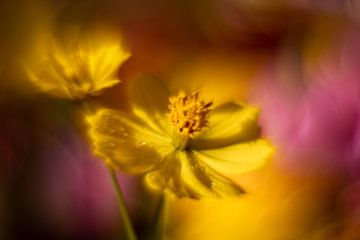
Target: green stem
{"type": "Point", "coordinates": [130, 234]}
{"type": "Point", "coordinates": [162, 218]}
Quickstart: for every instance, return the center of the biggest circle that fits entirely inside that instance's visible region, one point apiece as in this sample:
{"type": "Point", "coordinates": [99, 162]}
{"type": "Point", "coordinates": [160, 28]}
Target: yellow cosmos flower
{"type": "Point", "coordinates": [85, 68]}
{"type": "Point", "coordinates": [180, 142]}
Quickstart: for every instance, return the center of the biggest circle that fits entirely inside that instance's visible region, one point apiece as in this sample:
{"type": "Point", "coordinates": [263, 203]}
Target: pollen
{"type": "Point", "coordinates": [188, 113]}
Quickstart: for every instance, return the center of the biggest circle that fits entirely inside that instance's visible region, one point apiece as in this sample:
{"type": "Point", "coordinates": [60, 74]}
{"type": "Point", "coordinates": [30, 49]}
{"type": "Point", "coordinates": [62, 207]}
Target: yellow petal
{"type": "Point", "coordinates": [167, 177]}
{"type": "Point", "coordinates": [201, 180]}
{"type": "Point", "coordinates": [228, 124]}
{"type": "Point", "coordinates": [184, 176]}
{"type": "Point", "coordinates": [237, 158]}
{"type": "Point", "coordinates": [50, 69]}
{"type": "Point", "coordinates": [104, 62]}
{"type": "Point", "coordinates": [126, 141]}
{"type": "Point", "coordinates": [150, 99]}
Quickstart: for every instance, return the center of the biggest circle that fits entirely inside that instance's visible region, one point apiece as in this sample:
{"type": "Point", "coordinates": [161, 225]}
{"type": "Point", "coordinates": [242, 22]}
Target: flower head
{"type": "Point", "coordinates": [84, 68]}
{"type": "Point", "coordinates": [180, 142]}
{"type": "Point", "coordinates": [188, 114]}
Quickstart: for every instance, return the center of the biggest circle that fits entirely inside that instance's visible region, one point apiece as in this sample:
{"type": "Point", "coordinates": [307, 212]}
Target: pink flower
{"type": "Point", "coordinates": [314, 121]}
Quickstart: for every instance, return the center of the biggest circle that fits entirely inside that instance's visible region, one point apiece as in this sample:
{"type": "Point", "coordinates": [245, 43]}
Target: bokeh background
{"type": "Point", "coordinates": [298, 60]}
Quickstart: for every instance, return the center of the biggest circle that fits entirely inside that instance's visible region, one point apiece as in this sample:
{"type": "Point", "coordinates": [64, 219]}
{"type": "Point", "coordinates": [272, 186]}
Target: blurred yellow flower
{"type": "Point", "coordinates": [180, 142]}
{"type": "Point", "coordinates": [86, 67]}
{"type": "Point", "coordinates": [279, 206]}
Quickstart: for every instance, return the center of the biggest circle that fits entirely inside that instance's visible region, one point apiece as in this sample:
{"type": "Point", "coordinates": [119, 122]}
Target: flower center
{"type": "Point", "coordinates": [188, 114]}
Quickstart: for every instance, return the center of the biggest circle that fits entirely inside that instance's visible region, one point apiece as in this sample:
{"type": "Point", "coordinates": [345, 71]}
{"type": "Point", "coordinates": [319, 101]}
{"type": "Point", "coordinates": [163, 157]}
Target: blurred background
{"type": "Point", "coordinates": [298, 60]}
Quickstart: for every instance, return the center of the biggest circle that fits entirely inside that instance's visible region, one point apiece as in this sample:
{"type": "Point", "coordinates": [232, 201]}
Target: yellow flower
{"type": "Point", "coordinates": [180, 142]}
{"type": "Point", "coordinates": [85, 67]}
